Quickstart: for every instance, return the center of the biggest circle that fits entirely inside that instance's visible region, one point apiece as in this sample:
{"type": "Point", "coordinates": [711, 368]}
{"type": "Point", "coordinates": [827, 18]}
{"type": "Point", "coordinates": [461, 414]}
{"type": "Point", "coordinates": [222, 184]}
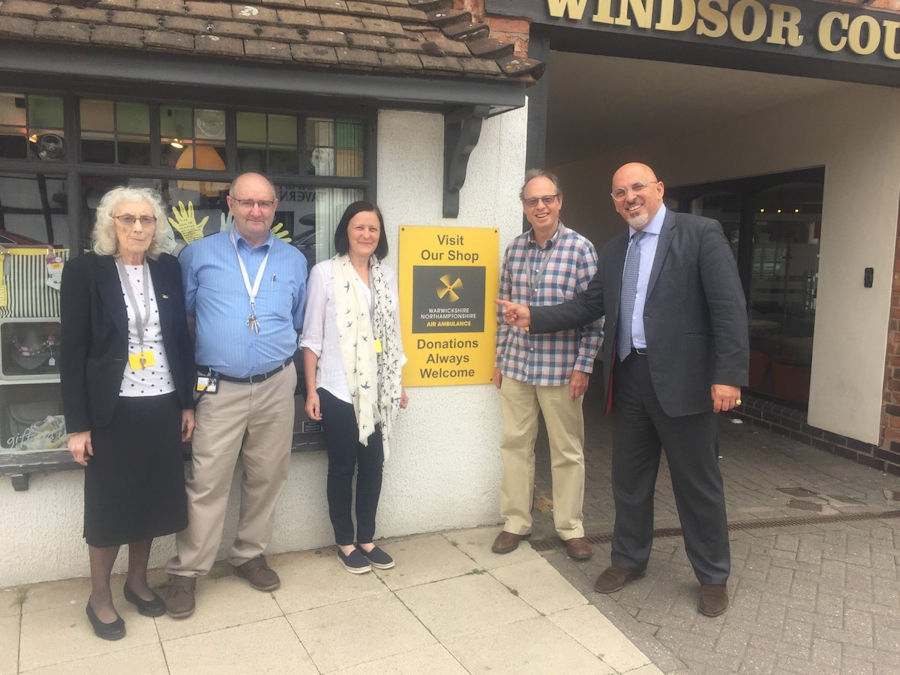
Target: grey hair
{"type": "Point", "coordinates": [103, 235]}
{"type": "Point", "coordinates": [531, 174]}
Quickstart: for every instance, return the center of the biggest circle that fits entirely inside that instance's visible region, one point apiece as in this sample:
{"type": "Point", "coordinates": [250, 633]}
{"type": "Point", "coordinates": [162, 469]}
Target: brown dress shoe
{"type": "Point", "coordinates": [507, 542]}
{"type": "Point", "coordinates": [614, 578]}
{"type": "Point", "coordinates": [259, 574]}
{"type": "Point", "coordinates": [179, 596]}
{"type": "Point", "coordinates": [713, 599]}
{"type": "Point", "coordinates": [579, 548]}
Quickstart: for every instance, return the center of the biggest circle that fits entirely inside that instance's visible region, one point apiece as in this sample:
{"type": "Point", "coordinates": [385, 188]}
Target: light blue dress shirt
{"type": "Point", "coordinates": [215, 294]}
{"type": "Point", "coordinates": [648, 245]}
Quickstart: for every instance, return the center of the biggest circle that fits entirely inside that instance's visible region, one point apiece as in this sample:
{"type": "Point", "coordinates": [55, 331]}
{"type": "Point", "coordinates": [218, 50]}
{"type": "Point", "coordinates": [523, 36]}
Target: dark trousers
{"type": "Point", "coordinates": [691, 445]}
{"type": "Point", "coordinates": [345, 455]}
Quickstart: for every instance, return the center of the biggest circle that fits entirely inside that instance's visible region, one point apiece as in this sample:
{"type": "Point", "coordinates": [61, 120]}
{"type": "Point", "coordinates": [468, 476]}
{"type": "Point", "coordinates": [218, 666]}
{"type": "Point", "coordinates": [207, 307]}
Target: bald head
{"type": "Point", "coordinates": [637, 194]}
{"type": "Point", "coordinates": [256, 180]}
{"type": "Point", "coordinates": [252, 202]}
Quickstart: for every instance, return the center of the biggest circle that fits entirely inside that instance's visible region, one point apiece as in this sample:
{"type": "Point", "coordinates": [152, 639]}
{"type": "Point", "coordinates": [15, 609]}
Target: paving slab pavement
{"type": "Point", "coordinates": [815, 544]}
{"type": "Point", "coordinates": [449, 606]}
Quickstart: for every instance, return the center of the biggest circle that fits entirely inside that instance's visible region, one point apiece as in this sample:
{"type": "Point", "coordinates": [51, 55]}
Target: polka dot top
{"type": "Point", "coordinates": [157, 379]}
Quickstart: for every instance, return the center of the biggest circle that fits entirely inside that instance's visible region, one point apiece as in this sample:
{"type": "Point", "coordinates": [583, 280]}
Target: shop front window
{"type": "Point", "coordinates": [334, 147]}
{"type": "Point", "coordinates": [31, 127]}
{"type": "Point", "coordinates": [773, 223]}
{"type": "Point", "coordinates": [192, 138]}
{"type": "Point", "coordinates": [190, 154]}
{"type": "Point", "coordinates": [267, 143]}
{"type": "Point", "coordinates": [115, 132]}
{"type": "Point", "coordinates": [33, 248]}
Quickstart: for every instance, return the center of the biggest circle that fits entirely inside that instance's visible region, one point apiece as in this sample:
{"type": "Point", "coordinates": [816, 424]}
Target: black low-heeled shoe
{"type": "Point", "coordinates": [114, 630]}
{"type": "Point", "coordinates": [153, 607]}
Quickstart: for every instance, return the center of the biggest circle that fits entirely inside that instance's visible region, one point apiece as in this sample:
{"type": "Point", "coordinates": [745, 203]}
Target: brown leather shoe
{"type": "Point", "coordinates": [713, 599]}
{"type": "Point", "coordinates": [259, 574]}
{"type": "Point", "coordinates": [614, 578]}
{"type": "Point", "coordinates": [179, 596]}
{"type": "Point", "coordinates": [579, 548]}
{"type": "Point", "coordinates": [507, 542]}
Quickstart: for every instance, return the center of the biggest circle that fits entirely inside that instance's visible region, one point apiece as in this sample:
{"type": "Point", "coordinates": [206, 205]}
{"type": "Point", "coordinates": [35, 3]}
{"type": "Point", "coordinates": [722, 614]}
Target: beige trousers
{"type": "Point", "coordinates": [253, 422]}
{"type": "Point", "coordinates": [519, 405]}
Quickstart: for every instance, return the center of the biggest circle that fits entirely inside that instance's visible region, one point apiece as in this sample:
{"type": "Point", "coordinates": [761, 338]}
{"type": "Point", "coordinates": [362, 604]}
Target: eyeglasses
{"type": "Point", "coordinates": [129, 220]}
{"type": "Point", "coordinates": [531, 202]}
{"type": "Point", "coordinates": [619, 194]}
{"type": "Point", "coordinates": [248, 204]}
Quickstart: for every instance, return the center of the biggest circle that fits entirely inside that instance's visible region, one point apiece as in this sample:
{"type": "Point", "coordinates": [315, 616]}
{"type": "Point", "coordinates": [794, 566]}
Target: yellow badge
{"type": "Point", "coordinates": [377, 346]}
{"type": "Point", "coordinates": [141, 360]}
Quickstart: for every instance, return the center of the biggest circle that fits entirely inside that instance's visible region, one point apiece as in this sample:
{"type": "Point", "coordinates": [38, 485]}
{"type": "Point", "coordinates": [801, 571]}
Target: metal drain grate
{"type": "Point", "coordinates": [550, 544]}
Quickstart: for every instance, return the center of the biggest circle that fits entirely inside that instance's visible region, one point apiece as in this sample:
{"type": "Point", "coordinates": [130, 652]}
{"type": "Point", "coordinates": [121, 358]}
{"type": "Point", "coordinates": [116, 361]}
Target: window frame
{"type": "Point", "coordinates": [19, 466]}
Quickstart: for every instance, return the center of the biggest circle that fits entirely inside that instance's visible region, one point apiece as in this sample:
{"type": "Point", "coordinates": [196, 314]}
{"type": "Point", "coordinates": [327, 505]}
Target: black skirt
{"type": "Point", "coordinates": [134, 483]}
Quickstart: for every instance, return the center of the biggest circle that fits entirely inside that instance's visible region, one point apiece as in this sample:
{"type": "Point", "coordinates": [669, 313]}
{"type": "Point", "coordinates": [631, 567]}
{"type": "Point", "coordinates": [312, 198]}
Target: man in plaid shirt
{"type": "Point", "coordinates": [546, 373]}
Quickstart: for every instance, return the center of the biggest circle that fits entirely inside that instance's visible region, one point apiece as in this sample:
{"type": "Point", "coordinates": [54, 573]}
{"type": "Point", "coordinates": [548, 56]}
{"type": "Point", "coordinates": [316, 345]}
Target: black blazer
{"type": "Point", "coordinates": [695, 315]}
{"type": "Point", "coordinates": [94, 336]}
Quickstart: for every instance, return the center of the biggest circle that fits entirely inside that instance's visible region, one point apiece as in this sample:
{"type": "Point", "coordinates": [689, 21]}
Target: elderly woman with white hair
{"type": "Point", "coordinates": [127, 369]}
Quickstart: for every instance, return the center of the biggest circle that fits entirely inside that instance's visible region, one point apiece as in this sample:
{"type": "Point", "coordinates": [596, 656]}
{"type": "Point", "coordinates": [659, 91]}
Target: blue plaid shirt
{"type": "Point", "coordinates": [547, 359]}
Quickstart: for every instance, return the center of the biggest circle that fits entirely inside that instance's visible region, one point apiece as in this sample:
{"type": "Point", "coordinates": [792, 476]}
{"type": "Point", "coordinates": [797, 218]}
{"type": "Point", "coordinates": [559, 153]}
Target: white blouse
{"type": "Point", "coordinates": [320, 331]}
{"type": "Point", "coordinates": [156, 379]}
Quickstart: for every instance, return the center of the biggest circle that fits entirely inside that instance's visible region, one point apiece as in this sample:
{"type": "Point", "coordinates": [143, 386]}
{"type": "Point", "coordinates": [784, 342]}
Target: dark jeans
{"type": "Point", "coordinates": [345, 454]}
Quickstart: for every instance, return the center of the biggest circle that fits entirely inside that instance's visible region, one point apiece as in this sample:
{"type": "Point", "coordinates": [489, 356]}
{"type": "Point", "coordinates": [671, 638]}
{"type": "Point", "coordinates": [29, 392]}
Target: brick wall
{"type": "Point", "coordinates": [890, 412]}
{"type": "Point", "coordinates": [791, 422]}
{"type": "Point", "coordinates": [505, 29]}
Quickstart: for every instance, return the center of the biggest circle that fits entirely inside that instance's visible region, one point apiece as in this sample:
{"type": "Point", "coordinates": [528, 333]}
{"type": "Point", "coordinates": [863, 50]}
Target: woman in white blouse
{"type": "Point", "coordinates": [352, 358]}
{"type": "Point", "coordinates": [126, 368]}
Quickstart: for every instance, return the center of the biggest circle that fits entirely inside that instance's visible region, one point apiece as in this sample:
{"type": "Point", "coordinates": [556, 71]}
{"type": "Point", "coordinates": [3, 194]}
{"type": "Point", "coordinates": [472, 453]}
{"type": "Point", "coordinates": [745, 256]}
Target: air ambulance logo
{"type": "Point", "coordinates": [448, 299]}
{"type": "Point", "coordinates": [448, 288]}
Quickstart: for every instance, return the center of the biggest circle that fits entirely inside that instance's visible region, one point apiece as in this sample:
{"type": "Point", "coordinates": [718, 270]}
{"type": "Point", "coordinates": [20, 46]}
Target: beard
{"type": "Point", "coordinates": [638, 222]}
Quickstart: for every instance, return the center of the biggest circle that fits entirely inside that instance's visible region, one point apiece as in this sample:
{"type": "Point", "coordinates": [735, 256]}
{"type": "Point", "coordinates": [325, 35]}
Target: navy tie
{"type": "Point", "coordinates": [629, 291]}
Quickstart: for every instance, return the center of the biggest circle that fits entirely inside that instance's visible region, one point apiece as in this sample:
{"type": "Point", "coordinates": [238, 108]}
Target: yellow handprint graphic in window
{"type": "Point", "coordinates": [281, 232]}
{"type": "Point", "coordinates": [185, 223]}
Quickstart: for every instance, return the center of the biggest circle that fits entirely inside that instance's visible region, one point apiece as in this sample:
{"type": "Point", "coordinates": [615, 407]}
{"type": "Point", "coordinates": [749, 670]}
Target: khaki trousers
{"type": "Point", "coordinates": [519, 405]}
{"type": "Point", "coordinates": [254, 422]}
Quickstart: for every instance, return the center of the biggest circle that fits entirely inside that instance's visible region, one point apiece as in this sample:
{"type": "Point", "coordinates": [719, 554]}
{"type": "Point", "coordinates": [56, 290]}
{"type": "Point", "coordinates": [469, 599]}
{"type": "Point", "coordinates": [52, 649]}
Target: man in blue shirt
{"type": "Point", "coordinates": [245, 291]}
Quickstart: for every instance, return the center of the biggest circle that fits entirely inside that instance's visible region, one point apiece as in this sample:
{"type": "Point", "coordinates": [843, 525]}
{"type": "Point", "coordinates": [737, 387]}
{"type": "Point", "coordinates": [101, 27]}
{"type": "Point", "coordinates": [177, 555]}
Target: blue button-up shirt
{"type": "Point", "coordinates": [648, 245]}
{"type": "Point", "coordinates": [215, 294]}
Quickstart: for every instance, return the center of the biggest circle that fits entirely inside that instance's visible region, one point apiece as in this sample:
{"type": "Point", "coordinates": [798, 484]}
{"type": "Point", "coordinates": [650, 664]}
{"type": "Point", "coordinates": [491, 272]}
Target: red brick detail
{"type": "Point", "coordinates": [890, 423]}
{"type": "Point", "coordinates": [506, 25]}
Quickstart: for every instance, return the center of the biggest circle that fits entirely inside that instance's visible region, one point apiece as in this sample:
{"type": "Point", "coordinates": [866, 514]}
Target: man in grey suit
{"type": "Point", "coordinates": [677, 349]}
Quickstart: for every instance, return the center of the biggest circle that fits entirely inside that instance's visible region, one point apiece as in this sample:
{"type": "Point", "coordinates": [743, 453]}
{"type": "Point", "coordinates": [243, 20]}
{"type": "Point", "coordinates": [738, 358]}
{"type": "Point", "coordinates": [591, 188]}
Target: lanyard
{"type": "Point", "coordinates": [140, 321]}
{"type": "Point", "coordinates": [535, 274]}
{"type": "Point", "coordinates": [252, 321]}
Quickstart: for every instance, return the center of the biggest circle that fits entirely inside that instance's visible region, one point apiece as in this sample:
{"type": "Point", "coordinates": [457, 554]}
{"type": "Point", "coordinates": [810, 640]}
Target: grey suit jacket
{"type": "Point", "coordinates": [695, 315]}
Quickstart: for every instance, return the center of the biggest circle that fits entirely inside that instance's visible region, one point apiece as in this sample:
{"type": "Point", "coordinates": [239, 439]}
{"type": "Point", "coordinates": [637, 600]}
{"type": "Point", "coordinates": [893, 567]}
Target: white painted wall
{"type": "Point", "coordinates": [855, 133]}
{"type": "Point", "coordinates": [444, 470]}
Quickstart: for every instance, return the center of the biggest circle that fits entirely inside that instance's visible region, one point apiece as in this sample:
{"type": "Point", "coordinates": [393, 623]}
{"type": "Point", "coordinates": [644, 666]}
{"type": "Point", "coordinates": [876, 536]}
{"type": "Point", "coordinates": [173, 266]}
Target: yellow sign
{"type": "Point", "coordinates": [448, 281]}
